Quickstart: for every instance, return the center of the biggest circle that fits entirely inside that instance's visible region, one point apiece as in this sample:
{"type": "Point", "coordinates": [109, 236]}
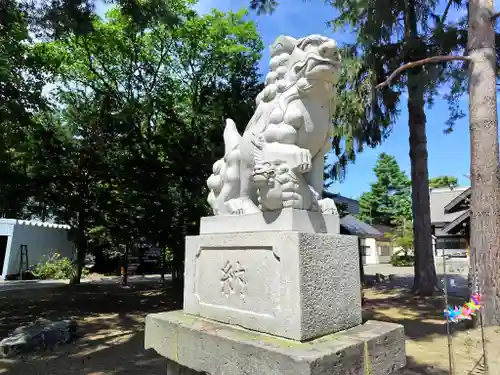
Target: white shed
{"type": "Point", "coordinates": [40, 239]}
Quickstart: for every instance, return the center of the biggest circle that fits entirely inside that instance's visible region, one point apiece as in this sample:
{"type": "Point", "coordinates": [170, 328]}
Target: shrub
{"type": "Point", "coordinates": [402, 258]}
{"type": "Point", "coordinates": [55, 267]}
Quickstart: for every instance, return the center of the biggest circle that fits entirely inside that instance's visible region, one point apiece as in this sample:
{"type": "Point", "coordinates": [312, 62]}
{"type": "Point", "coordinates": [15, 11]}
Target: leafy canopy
{"type": "Point", "coordinates": [443, 181]}
{"type": "Point", "coordinates": [134, 123]}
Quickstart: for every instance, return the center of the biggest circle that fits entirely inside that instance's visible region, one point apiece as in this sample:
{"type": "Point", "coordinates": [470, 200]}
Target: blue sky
{"type": "Point", "coordinates": [448, 153]}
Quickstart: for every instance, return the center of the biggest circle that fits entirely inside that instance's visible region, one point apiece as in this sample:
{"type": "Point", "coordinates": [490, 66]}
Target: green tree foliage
{"type": "Point", "coordinates": [389, 196]}
{"type": "Point", "coordinates": [21, 82]}
{"type": "Point", "coordinates": [424, 32]}
{"type": "Point", "coordinates": [137, 120]}
{"type": "Point", "coordinates": [402, 239]}
{"type": "Point", "coordinates": [66, 159]}
{"type": "Point", "coordinates": [361, 119]}
{"type": "Point", "coordinates": [55, 19]}
{"type": "Point", "coordinates": [443, 181]}
{"type": "Point", "coordinates": [55, 267]}
{"type": "Point", "coordinates": [342, 209]}
{"type": "Point", "coordinates": [402, 233]}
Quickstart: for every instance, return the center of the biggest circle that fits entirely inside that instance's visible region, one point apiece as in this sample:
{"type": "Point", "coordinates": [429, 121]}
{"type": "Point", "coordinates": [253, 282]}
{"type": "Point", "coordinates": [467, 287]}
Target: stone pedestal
{"type": "Point", "coordinates": [294, 285]}
{"type": "Point", "coordinates": [196, 346]}
{"type": "Point", "coordinates": [284, 301]}
{"type": "Point", "coordinates": [287, 219]}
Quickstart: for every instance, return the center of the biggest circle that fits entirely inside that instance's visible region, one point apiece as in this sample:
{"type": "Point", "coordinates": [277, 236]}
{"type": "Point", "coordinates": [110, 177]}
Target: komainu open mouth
{"type": "Point", "coordinates": [317, 61]}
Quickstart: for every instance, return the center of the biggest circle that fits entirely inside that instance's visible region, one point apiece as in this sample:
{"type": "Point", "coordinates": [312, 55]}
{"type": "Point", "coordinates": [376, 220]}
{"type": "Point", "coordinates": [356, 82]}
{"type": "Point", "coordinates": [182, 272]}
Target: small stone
{"type": "Point", "coordinates": [38, 335]}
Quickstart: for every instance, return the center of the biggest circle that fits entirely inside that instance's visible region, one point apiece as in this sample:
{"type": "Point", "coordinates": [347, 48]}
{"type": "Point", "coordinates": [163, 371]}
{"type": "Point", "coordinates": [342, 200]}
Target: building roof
{"type": "Point", "coordinates": [34, 223]}
{"type": "Point", "coordinates": [458, 224]}
{"type": "Point", "coordinates": [383, 228]}
{"type": "Point", "coordinates": [352, 205]}
{"type": "Point", "coordinates": [358, 228]}
{"type": "Point", "coordinates": [439, 199]}
{"type": "Point", "coordinates": [460, 202]}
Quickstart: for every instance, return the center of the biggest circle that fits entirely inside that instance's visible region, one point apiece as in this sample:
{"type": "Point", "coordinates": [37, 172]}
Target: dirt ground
{"type": "Point", "coordinates": [427, 344]}
{"type": "Point", "coordinates": [111, 321]}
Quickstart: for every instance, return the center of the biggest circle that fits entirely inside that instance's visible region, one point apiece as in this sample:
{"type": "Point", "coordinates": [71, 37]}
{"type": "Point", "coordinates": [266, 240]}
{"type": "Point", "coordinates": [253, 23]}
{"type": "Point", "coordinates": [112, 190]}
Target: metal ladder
{"type": "Point", "coordinates": [23, 261]}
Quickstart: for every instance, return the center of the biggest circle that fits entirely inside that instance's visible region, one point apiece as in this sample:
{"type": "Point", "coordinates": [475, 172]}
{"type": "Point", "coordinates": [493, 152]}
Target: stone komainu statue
{"type": "Point", "coordinates": [278, 162]}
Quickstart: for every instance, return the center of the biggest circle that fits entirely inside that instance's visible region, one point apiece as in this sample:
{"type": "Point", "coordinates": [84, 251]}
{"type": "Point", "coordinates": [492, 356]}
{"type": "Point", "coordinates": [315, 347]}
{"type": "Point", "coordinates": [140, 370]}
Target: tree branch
{"type": "Point", "coordinates": [495, 16]}
{"type": "Point", "coordinates": [445, 13]}
{"type": "Point", "coordinates": [429, 60]}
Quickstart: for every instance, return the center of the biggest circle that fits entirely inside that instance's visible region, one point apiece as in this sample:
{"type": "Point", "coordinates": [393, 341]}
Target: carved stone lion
{"type": "Point", "coordinates": [291, 128]}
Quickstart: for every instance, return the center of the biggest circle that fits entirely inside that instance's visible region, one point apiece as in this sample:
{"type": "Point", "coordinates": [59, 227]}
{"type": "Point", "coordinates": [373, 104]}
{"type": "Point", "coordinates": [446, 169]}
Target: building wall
{"type": "Point", "coordinates": [385, 251]}
{"type": "Point", "coordinates": [6, 229]}
{"type": "Point", "coordinates": [41, 240]}
{"type": "Point", "coordinates": [369, 250]}
{"type": "Point", "coordinates": [376, 251]}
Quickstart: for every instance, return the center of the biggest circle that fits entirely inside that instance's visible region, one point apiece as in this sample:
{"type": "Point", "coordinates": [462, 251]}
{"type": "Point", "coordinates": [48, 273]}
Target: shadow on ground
{"type": "Point", "coordinates": [84, 301]}
{"type": "Point", "coordinates": [111, 328]}
{"type": "Point", "coordinates": [101, 357]}
{"type": "Point", "coordinates": [111, 325]}
{"type": "Point", "coordinates": [414, 368]}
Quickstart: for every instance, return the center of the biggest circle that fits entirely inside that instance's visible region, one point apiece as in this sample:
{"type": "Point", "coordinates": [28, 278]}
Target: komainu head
{"type": "Point", "coordinates": [305, 63]}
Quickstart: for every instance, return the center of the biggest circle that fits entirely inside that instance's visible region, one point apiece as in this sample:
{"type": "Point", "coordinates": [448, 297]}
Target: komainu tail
{"type": "Point", "coordinates": [231, 136]}
{"type": "Point", "coordinates": [215, 182]}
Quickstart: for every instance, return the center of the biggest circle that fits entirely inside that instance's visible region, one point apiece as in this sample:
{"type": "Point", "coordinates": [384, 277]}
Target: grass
{"type": "Point", "coordinates": [111, 321]}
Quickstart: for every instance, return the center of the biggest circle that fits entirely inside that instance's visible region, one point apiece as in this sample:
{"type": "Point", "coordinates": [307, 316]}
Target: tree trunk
{"type": "Point", "coordinates": [425, 281]}
{"type": "Point", "coordinates": [125, 266]}
{"type": "Point", "coordinates": [81, 247]}
{"type": "Point", "coordinates": [361, 266]}
{"type": "Point", "coordinates": [177, 269]}
{"type": "Point", "coordinates": [162, 262]}
{"type": "Point", "coordinates": [81, 252]}
{"type": "Point", "coordinates": [100, 264]}
{"type": "Point", "coordinates": [361, 272]}
{"type": "Point", "coordinates": [178, 262]}
{"type": "Point", "coordinates": [485, 179]}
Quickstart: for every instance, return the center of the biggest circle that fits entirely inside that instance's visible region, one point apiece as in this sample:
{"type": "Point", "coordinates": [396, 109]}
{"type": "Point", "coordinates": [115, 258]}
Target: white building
{"type": "Point", "coordinates": [375, 247]}
{"type": "Point", "coordinates": [41, 239]}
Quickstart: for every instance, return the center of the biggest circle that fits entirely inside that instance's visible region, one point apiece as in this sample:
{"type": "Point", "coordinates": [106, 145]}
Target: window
{"type": "Point", "coordinates": [452, 243]}
{"type": "Point", "coordinates": [384, 250]}
{"type": "Point", "coordinates": [366, 251]}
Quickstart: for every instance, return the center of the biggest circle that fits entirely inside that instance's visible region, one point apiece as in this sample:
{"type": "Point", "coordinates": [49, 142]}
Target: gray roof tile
{"type": "Point", "coordinates": [358, 228]}
{"type": "Point", "coordinates": [439, 199]}
{"type": "Point", "coordinates": [352, 205]}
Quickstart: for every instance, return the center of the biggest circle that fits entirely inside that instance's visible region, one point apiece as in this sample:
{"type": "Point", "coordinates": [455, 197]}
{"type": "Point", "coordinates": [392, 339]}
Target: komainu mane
{"type": "Point", "coordinates": [278, 161]}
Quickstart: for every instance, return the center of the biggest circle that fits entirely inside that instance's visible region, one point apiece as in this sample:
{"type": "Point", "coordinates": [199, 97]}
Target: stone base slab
{"type": "Point", "coordinates": [290, 284]}
{"type": "Point", "coordinates": [196, 346]}
{"type": "Point", "coordinates": [287, 219]}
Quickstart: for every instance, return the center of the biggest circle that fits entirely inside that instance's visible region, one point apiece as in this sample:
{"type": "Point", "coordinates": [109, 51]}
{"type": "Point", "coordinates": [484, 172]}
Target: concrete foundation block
{"type": "Point", "coordinates": [290, 284]}
{"type": "Point", "coordinates": [196, 346]}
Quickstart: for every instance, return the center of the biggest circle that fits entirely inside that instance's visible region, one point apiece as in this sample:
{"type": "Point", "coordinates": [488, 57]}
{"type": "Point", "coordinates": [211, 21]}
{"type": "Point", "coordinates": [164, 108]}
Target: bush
{"type": "Point", "coordinates": [402, 258]}
{"type": "Point", "coordinates": [56, 267]}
